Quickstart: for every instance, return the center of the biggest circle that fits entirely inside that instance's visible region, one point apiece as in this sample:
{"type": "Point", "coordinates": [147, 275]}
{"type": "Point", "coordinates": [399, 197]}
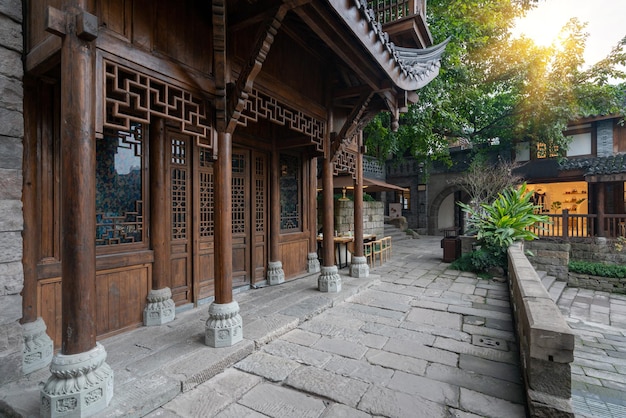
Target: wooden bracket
{"type": "Point", "coordinates": [57, 24]}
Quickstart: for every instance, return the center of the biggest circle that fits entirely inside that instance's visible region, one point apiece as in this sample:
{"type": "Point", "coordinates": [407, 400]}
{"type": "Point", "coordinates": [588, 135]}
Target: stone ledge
{"type": "Point", "coordinates": [546, 341]}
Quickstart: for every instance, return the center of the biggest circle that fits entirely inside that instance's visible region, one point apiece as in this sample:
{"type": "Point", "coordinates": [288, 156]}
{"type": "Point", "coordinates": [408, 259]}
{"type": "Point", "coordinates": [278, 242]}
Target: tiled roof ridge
{"type": "Point", "coordinates": [610, 164]}
{"type": "Point", "coordinates": [414, 63]}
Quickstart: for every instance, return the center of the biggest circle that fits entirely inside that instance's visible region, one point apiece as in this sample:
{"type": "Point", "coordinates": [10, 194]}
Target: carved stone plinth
{"type": "Point", "coordinates": [81, 385]}
{"type": "Point", "coordinates": [313, 265]}
{"type": "Point", "coordinates": [359, 267]}
{"type": "Point", "coordinates": [38, 346]}
{"type": "Point", "coordinates": [224, 328]}
{"type": "Point", "coordinates": [329, 281]}
{"type": "Point", "coordinates": [160, 308]}
{"type": "Point", "coordinates": [275, 273]}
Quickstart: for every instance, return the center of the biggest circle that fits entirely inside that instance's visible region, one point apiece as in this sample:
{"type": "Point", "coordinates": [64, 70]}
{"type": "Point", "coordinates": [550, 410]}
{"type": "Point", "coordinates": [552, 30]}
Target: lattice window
{"type": "Point", "coordinates": [239, 163]}
{"type": "Point", "coordinates": [259, 182]}
{"type": "Point", "coordinates": [346, 162]}
{"type": "Point", "coordinates": [207, 205]}
{"type": "Point", "coordinates": [239, 205]}
{"type": "Point", "coordinates": [134, 97]}
{"type": "Point", "coordinates": [290, 213]}
{"type": "Point", "coordinates": [179, 188]}
{"type": "Point", "coordinates": [119, 187]}
{"type": "Point", "coordinates": [262, 106]}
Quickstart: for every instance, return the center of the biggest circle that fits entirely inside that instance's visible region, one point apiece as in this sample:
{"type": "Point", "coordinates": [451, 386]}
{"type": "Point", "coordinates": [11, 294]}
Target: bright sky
{"type": "Point", "coordinates": [605, 23]}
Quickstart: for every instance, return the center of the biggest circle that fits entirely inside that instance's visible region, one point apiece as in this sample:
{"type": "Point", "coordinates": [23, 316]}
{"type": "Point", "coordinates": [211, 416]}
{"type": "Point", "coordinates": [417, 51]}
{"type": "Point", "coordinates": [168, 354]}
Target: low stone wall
{"type": "Point", "coordinates": [551, 257]}
{"type": "Point", "coordinates": [605, 284]}
{"type": "Point", "coordinates": [373, 217]}
{"type": "Point", "coordinates": [546, 341]}
{"type": "Point", "coordinates": [598, 250]}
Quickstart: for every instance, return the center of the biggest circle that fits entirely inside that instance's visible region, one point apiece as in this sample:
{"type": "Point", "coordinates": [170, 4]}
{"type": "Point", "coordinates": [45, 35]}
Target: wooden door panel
{"type": "Point", "coordinates": [240, 217]}
{"type": "Point", "coordinates": [259, 224]}
{"type": "Point", "coordinates": [204, 227]}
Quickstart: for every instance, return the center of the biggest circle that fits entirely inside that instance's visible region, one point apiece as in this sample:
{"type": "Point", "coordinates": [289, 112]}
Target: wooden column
{"type": "Point", "coordinates": [274, 206]}
{"type": "Point", "coordinates": [78, 195]}
{"type": "Point", "coordinates": [601, 200]}
{"type": "Point", "coordinates": [328, 212]}
{"type": "Point", "coordinates": [223, 220]}
{"type": "Point", "coordinates": [159, 229]}
{"type": "Point", "coordinates": [313, 204]}
{"type": "Point", "coordinates": [358, 201]}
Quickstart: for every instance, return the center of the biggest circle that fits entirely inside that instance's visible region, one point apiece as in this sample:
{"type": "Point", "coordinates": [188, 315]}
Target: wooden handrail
{"type": "Point", "coordinates": [568, 225]}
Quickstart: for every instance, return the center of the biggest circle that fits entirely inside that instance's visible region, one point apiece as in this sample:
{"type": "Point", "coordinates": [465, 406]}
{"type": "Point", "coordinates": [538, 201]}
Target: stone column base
{"type": "Point", "coordinates": [359, 267]}
{"type": "Point", "coordinates": [160, 308]}
{"type": "Point", "coordinates": [313, 263]}
{"type": "Point", "coordinates": [329, 281]}
{"type": "Point", "coordinates": [81, 385]}
{"type": "Point", "coordinates": [275, 273]}
{"type": "Point", "coordinates": [38, 346]}
{"type": "Point", "coordinates": [224, 328]}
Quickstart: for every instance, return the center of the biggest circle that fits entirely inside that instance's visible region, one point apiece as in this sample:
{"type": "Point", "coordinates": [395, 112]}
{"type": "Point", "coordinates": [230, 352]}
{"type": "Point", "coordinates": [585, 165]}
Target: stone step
{"type": "Point", "coordinates": [556, 290]}
{"type": "Point", "coordinates": [547, 281]}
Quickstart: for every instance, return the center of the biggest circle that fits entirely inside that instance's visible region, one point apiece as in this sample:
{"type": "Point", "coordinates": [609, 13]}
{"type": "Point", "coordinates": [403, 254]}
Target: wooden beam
{"type": "Point", "coordinates": [351, 123]}
{"type": "Point", "coordinates": [242, 88]}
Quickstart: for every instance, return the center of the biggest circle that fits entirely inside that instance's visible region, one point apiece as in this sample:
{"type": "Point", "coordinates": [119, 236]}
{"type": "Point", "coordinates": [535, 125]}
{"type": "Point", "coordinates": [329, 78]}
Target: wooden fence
{"type": "Point", "coordinates": [568, 225]}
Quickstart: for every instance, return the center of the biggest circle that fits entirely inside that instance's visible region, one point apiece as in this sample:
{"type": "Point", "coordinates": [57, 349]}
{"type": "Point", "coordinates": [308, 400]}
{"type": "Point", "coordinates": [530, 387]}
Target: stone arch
{"type": "Point", "coordinates": [433, 210]}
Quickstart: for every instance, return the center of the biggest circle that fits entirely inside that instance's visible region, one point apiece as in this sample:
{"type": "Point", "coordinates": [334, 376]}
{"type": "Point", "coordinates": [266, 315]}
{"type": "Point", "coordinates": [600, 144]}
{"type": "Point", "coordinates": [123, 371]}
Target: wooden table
{"type": "Point", "coordinates": [345, 241]}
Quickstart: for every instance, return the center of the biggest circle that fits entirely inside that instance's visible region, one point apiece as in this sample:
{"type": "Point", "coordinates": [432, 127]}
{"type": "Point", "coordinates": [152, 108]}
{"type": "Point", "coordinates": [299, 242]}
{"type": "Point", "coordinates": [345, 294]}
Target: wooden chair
{"type": "Point", "coordinates": [368, 252]}
{"type": "Point", "coordinates": [386, 248]}
{"type": "Point", "coordinates": [377, 251]}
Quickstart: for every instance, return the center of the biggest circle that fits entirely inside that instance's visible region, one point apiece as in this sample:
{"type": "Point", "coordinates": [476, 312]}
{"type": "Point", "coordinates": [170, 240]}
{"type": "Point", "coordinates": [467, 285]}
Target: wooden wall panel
{"type": "Point", "coordinates": [293, 255]}
{"type": "Point", "coordinates": [37, 21]}
{"type": "Point", "coordinates": [120, 300]}
{"type": "Point", "coordinates": [116, 15]}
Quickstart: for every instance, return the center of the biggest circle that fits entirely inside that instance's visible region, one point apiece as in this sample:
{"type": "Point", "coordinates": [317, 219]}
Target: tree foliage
{"type": "Point", "coordinates": [492, 85]}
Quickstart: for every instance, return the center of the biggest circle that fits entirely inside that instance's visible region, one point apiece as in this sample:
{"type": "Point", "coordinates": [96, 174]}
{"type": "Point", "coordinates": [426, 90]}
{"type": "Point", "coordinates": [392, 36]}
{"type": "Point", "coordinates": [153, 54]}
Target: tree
{"type": "Point", "coordinates": [494, 87]}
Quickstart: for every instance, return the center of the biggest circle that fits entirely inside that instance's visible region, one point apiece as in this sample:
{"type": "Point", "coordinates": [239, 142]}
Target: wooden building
{"type": "Point", "coordinates": [172, 151]}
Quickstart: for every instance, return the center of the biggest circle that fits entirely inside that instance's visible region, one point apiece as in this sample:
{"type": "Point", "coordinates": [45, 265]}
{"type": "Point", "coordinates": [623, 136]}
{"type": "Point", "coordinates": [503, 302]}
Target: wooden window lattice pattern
{"type": "Point", "coordinates": [260, 194]}
{"type": "Point", "coordinates": [134, 97]}
{"type": "Point", "coordinates": [123, 229]}
{"type": "Point", "coordinates": [261, 106]}
{"type": "Point", "coordinates": [179, 189]}
{"type": "Point", "coordinates": [239, 205]}
{"type": "Point", "coordinates": [346, 163]}
{"type": "Point", "coordinates": [290, 217]}
{"type": "Point", "coordinates": [207, 222]}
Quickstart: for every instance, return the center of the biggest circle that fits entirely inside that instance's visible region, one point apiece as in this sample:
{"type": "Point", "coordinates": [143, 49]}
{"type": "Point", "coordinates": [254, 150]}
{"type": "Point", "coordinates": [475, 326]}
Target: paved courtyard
{"type": "Point", "coordinates": [421, 341]}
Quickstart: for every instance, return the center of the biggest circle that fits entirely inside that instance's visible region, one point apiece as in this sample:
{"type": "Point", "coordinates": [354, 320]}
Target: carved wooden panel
{"type": "Point", "coordinates": [134, 97]}
{"type": "Point", "coordinates": [179, 188]}
{"type": "Point", "coordinates": [346, 162]}
{"type": "Point", "coordinates": [262, 106]}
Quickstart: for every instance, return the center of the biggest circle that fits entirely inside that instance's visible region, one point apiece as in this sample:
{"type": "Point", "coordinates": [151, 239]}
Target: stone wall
{"type": "Point", "coordinates": [598, 250]}
{"type": "Point", "coordinates": [546, 341]}
{"type": "Point", "coordinates": [373, 217]}
{"type": "Point", "coordinates": [604, 138]}
{"type": "Point", "coordinates": [605, 284]}
{"type": "Point", "coordinates": [551, 257]}
{"type": "Point", "coordinates": [11, 219]}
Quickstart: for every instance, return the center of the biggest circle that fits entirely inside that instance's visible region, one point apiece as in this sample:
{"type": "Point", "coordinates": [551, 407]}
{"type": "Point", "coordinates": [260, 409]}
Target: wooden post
{"type": "Point", "coordinates": [159, 230]}
{"type": "Point", "coordinates": [565, 226]}
{"type": "Point", "coordinates": [600, 189]}
{"type": "Point", "coordinates": [223, 220]}
{"type": "Point", "coordinates": [328, 254]}
{"type": "Point", "coordinates": [275, 272]}
{"type": "Point", "coordinates": [160, 308]}
{"type": "Point", "coordinates": [313, 262]}
{"type": "Point", "coordinates": [78, 195]}
{"type": "Point", "coordinates": [358, 200]}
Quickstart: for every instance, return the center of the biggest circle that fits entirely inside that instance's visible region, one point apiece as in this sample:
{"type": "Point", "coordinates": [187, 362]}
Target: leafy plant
{"type": "Point", "coordinates": [598, 269]}
{"type": "Point", "coordinates": [499, 224]}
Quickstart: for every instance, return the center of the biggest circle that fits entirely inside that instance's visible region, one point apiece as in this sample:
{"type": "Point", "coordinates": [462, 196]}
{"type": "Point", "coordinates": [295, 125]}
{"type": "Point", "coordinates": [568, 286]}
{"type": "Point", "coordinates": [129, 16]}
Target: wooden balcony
{"type": "Point", "coordinates": [567, 225]}
{"type": "Point", "coordinates": [404, 21]}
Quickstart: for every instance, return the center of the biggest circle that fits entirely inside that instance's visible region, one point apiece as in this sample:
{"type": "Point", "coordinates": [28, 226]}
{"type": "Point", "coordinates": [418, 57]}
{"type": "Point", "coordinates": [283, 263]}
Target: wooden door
{"type": "Point", "coordinates": [204, 226]}
{"type": "Point", "coordinates": [260, 221]}
{"type": "Point", "coordinates": [180, 217]}
{"type": "Point", "coordinates": [241, 217]}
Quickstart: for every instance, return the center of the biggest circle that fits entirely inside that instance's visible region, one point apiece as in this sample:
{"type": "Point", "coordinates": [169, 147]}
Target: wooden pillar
{"type": "Point", "coordinates": [313, 262]}
{"type": "Point", "coordinates": [78, 195]}
{"type": "Point", "coordinates": [159, 230]}
{"type": "Point", "coordinates": [223, 220]}
{"type": "Point", "coordinates": [81, 363]}
{"type": "Point", "coordinates": [601, 200]}
{"type": "Point", "coordinates": [275, 272]}
{"type": "Point", "coordinates": [358, 201]}
{"type": "Point", "coordinates": [328, 228]}
{"type": "Point", "coordinates": [160, 308]}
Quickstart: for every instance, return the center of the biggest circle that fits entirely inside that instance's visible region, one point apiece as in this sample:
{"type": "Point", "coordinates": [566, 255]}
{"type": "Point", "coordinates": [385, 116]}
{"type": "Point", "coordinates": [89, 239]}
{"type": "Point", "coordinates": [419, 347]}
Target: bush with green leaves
{"type": "Point", "coordinates": [598, 269]}
{"type": "Point", "coordinates": [499, 224]}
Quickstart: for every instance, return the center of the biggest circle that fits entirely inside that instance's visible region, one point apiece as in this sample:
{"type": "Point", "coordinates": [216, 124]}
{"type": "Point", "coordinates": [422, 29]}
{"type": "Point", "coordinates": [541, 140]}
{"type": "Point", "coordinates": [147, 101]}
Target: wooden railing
{"type": "Point", "coordinates": [567, 225]}
{"type": "Point", "coordinates": [392, 10]}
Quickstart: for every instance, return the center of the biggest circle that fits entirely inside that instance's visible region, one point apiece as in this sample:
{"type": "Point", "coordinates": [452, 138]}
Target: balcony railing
{"type": "Point", "coordinates": [392, 10]}
{"type": "Point", "coordinates": [567, 225]}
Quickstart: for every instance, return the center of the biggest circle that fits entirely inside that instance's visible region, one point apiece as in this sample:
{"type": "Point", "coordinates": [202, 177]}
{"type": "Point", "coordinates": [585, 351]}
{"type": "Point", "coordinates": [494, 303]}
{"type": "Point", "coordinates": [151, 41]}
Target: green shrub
{"type": "Point", "coordinates": [478, 261]}
{"type": "Point", "coordinates": [500, 224]}
{"type": "Point", "coordinates": [598, 269]}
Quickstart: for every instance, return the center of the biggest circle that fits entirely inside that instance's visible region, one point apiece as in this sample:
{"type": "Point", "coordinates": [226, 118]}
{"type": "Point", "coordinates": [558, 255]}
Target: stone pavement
{"type": "Point", "coordinates": [412, 340]}
{"type": "Point", "coordinates": [599, 370]}
{"type": "Point", "coordinates": [421, 341]}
